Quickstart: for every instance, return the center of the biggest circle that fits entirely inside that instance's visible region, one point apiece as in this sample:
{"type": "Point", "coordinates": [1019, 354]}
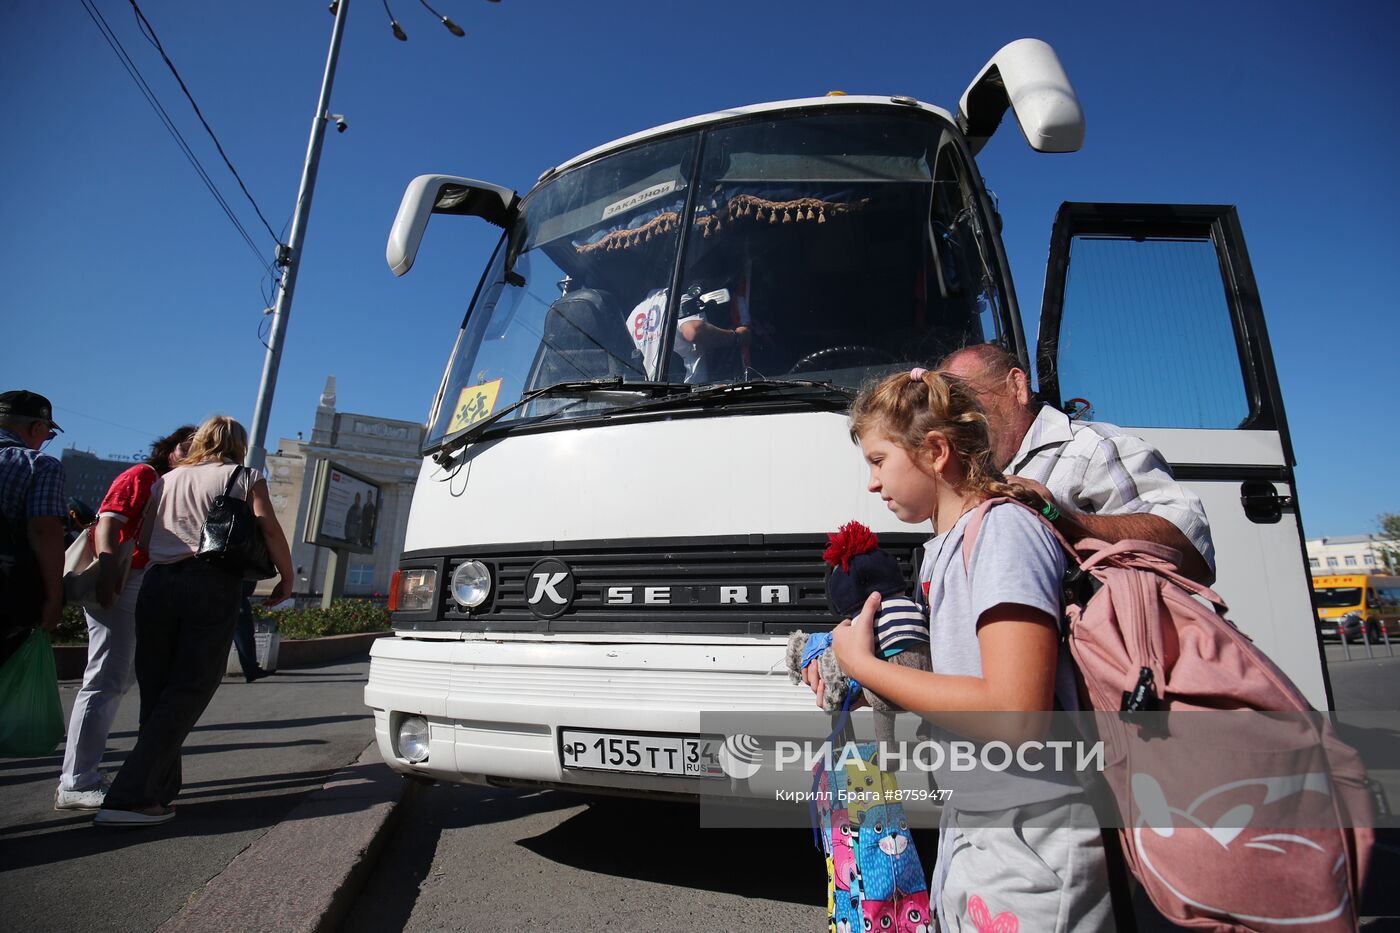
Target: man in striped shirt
{"type": "Point", "coordinates": [1106, 484]}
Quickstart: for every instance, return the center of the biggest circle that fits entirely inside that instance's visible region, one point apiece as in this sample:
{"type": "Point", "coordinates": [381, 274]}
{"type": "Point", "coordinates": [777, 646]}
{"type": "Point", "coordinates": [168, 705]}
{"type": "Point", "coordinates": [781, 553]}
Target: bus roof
{"type": "Point", "coordinates": [1345, 579]}
{"type": "Point", "coordinates": [804, 103]}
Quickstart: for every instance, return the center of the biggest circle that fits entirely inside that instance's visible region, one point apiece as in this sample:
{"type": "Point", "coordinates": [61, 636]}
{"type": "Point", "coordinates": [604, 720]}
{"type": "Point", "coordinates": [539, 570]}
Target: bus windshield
{"type": "Point", "coordinates": [1338, 597]}
{"type": "Point", "coordinates": [832, 246]}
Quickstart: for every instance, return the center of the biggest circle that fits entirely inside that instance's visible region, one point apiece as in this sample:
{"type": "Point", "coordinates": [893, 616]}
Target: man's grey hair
{"type": "Point", "coordinates": [995, 360]}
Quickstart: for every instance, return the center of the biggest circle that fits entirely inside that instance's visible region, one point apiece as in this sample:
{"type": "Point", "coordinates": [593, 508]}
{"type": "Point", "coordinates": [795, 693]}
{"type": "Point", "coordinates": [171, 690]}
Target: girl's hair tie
{"type": "Point", "coordinates": [917, 374]}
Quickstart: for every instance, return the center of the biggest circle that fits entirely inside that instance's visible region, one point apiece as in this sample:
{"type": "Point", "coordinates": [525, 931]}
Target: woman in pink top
{"type": "Point", "coordinates": [185, 617]}
{"type": "Point", "coordinates": [111, 626]}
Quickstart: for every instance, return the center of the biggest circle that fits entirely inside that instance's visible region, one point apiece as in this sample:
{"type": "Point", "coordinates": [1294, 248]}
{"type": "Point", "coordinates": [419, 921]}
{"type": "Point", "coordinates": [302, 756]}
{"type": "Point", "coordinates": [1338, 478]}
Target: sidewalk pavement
{"type": "Point", "coordinates": [319, 855]}
{"type": "Point", "coordinates": [284, 799]}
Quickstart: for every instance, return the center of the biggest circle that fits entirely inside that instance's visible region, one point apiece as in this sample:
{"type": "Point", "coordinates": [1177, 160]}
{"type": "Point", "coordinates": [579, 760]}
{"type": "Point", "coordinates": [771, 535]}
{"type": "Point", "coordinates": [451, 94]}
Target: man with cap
{"type": "Point", "coordinates": [32, 510]}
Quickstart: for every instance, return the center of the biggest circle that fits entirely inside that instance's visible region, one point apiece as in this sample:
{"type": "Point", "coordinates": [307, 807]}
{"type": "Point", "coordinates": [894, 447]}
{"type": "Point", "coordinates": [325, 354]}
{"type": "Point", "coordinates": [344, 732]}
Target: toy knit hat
{"type": "Point", "coordinates": [859, 568]}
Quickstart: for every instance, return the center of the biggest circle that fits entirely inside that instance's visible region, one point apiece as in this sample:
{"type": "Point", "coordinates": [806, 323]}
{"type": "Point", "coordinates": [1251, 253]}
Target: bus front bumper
{"type": "Point", "coordinates": [496, 707]}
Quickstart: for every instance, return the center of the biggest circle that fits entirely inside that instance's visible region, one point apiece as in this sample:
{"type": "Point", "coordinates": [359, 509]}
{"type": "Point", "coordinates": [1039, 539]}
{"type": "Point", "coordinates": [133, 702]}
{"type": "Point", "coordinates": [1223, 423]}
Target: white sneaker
{"type": "Point", "coordinates": [79, 799]}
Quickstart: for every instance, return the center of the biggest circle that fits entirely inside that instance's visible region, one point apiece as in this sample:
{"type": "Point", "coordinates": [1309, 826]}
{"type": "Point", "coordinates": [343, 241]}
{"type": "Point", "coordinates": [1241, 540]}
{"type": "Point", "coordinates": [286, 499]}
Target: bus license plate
{"type": "Point", "coordinates": [680, 755]}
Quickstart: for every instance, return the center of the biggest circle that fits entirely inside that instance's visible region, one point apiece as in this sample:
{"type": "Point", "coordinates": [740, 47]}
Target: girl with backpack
{"type": "Point", "coordinates": [1018, 849]}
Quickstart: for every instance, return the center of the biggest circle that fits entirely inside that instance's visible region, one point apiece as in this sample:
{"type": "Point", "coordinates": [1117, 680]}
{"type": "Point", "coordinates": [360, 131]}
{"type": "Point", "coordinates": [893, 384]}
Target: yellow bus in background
{"type": "Point", "coordinates": [1374, 601]}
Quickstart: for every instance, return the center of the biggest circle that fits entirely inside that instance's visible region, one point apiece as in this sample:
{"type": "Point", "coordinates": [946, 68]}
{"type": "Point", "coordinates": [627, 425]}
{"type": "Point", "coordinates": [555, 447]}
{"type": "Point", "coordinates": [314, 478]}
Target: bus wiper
{"type": "Point", "coordinates": [737, 393]}
{"type": "Point", "coordinates": [581, 388]}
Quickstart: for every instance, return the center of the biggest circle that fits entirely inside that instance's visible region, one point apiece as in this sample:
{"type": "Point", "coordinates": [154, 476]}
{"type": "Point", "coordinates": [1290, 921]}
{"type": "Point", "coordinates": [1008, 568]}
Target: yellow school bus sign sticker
{"type": "Point", "coordinates": [474, 404]}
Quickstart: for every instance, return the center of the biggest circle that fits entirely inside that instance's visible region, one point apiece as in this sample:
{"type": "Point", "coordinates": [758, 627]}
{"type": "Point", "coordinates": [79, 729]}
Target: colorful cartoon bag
{"type": "Point", "coordinates": [875, 880]}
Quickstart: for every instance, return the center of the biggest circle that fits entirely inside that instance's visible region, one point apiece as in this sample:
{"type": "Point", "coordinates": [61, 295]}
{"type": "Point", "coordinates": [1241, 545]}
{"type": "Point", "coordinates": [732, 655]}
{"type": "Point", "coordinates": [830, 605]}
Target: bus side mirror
{"type": "Point", "coordinates": [1026, 76]}
{"type": "Point", "coordinates": [443, 194]}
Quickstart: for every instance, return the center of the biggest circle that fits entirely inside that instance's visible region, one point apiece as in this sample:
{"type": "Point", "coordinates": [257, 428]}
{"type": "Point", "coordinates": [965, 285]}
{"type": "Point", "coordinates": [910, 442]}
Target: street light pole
{"type": "Point", "coordinates": [290, 257]}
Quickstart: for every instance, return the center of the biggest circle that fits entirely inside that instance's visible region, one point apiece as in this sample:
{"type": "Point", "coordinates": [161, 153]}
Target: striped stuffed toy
{"type": "Point", "coordinates": [859, 568]}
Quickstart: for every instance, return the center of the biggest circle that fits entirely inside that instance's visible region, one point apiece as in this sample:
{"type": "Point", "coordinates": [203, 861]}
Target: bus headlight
{"type": "Point", "coordinates": [417, 590]}
{"type": "Point", "coordinates": [471, 584]}
{"type": "Point", "coordinates": [413, 738]}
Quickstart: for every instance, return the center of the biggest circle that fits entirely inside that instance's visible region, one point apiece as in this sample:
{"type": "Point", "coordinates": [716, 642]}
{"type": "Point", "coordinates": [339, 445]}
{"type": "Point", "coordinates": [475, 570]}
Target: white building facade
{"type": "Point", "coordinates": [1347, 554]}
{"type": "Point", "coordinates": [384, 450]}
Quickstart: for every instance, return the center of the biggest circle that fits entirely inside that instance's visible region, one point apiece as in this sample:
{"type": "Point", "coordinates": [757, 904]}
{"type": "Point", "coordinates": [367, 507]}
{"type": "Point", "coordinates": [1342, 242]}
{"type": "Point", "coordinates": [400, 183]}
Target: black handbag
{"type": "Point", "coordinates": [231, 538]}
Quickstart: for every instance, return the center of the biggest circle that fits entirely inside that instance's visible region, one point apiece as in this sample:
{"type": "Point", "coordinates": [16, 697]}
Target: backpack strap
{"type": "Point", "coordinates": [974, 525]}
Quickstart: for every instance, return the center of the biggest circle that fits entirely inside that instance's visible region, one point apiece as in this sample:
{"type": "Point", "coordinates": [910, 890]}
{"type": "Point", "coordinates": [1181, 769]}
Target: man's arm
{"type": "Point", "coordinates": [46, 540]}
{"type": "Point", "coordinates": [1114, 528]}
{"type": "Point", "coordinates": [704, 334]}
{"type": "Point", "coordinates": [1154, 528]}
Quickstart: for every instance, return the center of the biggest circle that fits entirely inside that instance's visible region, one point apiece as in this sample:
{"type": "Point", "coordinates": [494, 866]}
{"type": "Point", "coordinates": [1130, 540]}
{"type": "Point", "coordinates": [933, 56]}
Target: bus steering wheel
{"type": "Point", "coordinates": [858, 350]}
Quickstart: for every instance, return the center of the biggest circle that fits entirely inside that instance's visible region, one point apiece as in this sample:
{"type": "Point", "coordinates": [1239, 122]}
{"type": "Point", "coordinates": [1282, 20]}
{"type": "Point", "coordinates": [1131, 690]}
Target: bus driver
{"type": "Point", "coordinates": [694, 334]}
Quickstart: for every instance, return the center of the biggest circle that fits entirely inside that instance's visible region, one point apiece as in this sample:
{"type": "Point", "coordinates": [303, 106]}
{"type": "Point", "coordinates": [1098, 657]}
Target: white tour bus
{"type": "Point", "coordinates": [607, 540]}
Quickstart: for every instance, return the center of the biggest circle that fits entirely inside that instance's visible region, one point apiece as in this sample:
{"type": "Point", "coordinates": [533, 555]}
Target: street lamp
{"type": "Point", "coordinates": [289, 256]}
{"type": "Point", "coordinates": [451, 26]}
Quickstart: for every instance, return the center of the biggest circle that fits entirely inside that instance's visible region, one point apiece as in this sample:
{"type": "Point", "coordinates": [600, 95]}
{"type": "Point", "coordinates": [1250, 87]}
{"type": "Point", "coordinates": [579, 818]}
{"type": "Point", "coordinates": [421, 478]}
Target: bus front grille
{"type": "Point", "coordinates": [757, 585]}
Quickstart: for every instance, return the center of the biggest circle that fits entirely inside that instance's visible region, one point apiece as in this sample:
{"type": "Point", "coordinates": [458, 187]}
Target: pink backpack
{"type": "Point", "coordinates": [1259, 826]}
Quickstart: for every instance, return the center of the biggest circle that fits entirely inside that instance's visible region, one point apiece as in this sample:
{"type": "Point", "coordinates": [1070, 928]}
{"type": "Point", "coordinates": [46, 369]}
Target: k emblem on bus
{"type": "Point", "coordinates": [549, 588]}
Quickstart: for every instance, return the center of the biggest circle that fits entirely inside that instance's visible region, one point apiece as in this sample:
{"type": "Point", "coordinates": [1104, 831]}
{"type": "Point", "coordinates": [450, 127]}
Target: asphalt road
{"type": "Point", "coordinates": [257, 750]}
{"type": "Point", "coordinates": [469, 858]}
{"type": "Point", "coordinates": [1363, 683]}
{"type": "Point", "coordinates": [474, 858]}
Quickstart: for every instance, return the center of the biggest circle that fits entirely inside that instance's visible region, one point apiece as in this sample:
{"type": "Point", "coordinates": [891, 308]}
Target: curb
{"type": "Point", "coordinates": [304, 873]}
{"type": "Point", "coordinates": [70, 661]}
{"type": "Point", "coordinates": [304, 652]}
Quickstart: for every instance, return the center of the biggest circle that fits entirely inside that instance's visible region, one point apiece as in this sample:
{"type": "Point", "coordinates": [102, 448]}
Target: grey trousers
{"type": "Point", "coordinates": [185, 617]}
{"type": "Point", "coordinates": [109, 674]}
{"type": "Point", "coordinates": [1038, 867]}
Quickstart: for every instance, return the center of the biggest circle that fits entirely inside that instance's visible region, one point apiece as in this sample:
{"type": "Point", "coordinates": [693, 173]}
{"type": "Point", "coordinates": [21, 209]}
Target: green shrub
{"type": "Point", "coordinates": [344, 617]}
{"type": "Point", "coordinates": [72, 628]}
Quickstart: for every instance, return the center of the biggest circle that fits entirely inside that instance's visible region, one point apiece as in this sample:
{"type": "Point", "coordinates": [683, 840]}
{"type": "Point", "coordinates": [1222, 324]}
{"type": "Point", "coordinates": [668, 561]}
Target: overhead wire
{"type": "Point", "coordinates": [135, 73]}
{"type": "Point", "coordinates": [115, 424]}
{"type": "Point", "coordinates": [149, 32]}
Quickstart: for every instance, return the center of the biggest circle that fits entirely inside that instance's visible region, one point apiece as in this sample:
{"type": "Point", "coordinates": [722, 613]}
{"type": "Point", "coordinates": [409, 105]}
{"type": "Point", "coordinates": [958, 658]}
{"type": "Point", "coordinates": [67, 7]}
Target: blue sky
{"type": "Point", "coordinates": [131, 302]}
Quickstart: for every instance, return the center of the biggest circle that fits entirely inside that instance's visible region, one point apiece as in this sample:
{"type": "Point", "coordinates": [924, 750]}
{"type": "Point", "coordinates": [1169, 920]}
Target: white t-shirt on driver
{"type": "Point", "coordinates": [644, 327]}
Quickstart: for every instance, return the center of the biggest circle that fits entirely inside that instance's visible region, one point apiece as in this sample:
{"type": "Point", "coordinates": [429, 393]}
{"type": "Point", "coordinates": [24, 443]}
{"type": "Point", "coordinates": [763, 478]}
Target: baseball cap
{"type": "Point", "coordinates": [25, 404]}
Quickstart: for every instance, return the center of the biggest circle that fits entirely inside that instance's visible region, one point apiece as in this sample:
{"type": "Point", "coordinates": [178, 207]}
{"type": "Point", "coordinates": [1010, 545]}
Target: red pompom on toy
{"type": "Point", "coordinates": [853, 540]}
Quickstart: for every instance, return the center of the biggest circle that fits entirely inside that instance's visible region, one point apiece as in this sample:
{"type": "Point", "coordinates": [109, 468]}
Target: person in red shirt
{"type": "Point", "coordinates": [112, 626]}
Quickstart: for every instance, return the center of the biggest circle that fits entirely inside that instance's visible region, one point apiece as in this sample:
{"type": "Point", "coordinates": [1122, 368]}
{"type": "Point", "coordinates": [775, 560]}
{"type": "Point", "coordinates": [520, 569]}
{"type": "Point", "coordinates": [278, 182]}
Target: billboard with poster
{"type": "Point", "coordinates": [345, 508]}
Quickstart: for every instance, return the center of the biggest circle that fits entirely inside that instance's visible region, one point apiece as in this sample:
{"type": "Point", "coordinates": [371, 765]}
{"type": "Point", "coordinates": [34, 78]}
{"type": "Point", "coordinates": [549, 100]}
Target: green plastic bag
{"type": "Point", "coordinates": [31, 716]}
